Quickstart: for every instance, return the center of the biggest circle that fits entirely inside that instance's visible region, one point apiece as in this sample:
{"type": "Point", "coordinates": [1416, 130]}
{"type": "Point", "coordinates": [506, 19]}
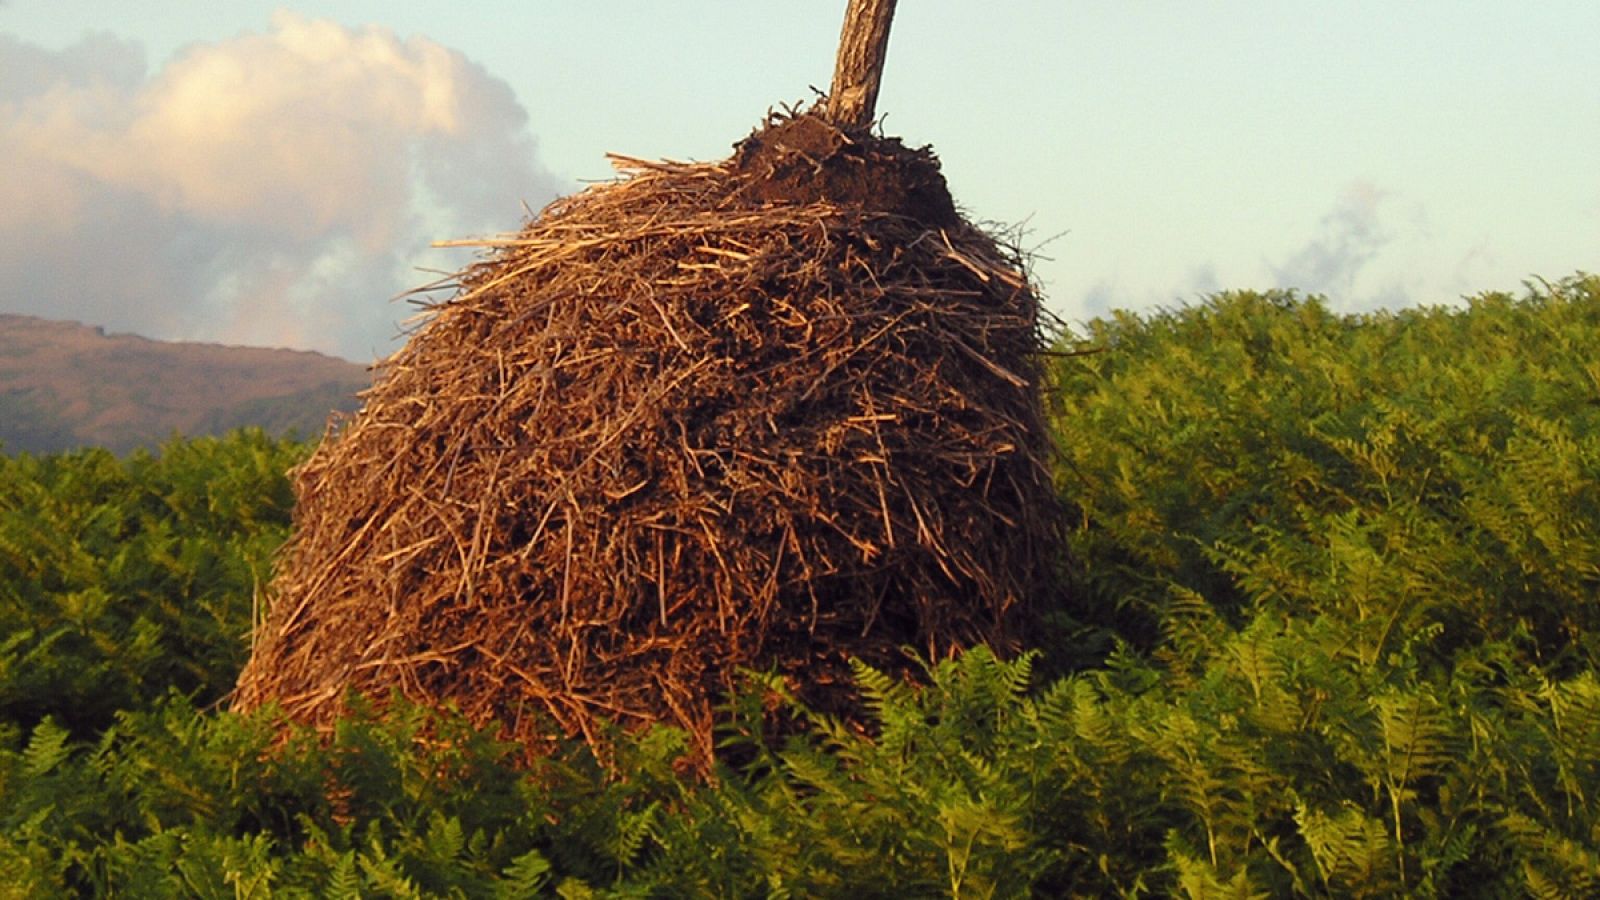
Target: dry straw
{"type": "Point", "coordinates": [772, 412]}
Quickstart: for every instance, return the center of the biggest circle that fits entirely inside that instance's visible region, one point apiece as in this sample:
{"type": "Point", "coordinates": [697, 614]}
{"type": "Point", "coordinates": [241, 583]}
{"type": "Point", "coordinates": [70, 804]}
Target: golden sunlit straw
{"type": "Point", "coordinates": [772, 412]}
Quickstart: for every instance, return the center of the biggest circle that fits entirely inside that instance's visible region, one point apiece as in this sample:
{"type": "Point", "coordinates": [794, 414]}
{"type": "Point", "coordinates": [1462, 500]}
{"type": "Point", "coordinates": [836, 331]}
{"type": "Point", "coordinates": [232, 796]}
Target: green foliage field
{"type": "Point", "coordinates": [1333, 629]}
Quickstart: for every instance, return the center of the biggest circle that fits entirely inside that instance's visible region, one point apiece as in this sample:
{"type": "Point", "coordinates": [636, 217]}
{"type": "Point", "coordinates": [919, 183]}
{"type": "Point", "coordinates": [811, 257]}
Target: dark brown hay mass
{"type": "Point", "coordinates": [776, 411]}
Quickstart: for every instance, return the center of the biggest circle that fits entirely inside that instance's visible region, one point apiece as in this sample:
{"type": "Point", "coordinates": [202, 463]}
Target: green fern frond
{"type": "Point", "coordinates": [525, 877]}
{"type": "Point", "coordinates": [344, 883]}
{"type": "Point", "coordinates": [1574, 733]}
{"type": "Point", "coordinates": [1051, 712]}
{"type": "Point", "coordinates": [1251, 656]}
{"type": "Point", "coordinates": [884, 694]}
{"type": "Point", "coordinates": [1545, 887]}
{"type": "Point", "coordinates": [1199, 880]}
{"type": "Point", "coordinates": [633, 830]}
{"type": "Point", "coordinates": [573, 889]}
{"type": "Point", "coordinates": [969, 828]}
{"type": "Point", "coordinates": [383, 871]}
{"type": "Point", "coordinates": [1192, 630]}
{"type": "Point", "coordinates": [47, 748]}
{"type": "Point", "coordinates": [444, 839]}
{"type": "Point", "coordinates": [1094, 724]}
{"type": "Point", "coordinates": [1017, 675]}
{"type": "Point", "coordinates": [1351, 850]}
{"type": "Point", "coordinates": [1417, 737]}
{"type": "Point", "coordinates": [1552, 864]}
{"type": "Point", "coordinates": [248, 865]}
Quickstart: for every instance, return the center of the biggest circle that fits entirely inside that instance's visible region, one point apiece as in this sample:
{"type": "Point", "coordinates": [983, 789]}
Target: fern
{"type": "Point", "coordinates": [48, 748]}
{"type": "Point", "coordinates": [444, 839]}
{"type": "Point", "coordinates": [1352, 851]}
{"type": "Point", "coordinates": [525, 877]}
{"type": "Point", "coordinates": [344, 882]}
{"type": "Point", "coordinates": [1574, 734]}
{"type": "Point", "coordinates": [383, 872]}
{"type": "Point", "coordinates": [1552, 865]}
{"type": "Point", "coordinates": [1344, 567]}
{"type": "Point", "coordinates": [890, 701]}
{"type": "Point", "coordinates": [1416, 745]}
{"type": "Point", "coordinates": [1199, 880]}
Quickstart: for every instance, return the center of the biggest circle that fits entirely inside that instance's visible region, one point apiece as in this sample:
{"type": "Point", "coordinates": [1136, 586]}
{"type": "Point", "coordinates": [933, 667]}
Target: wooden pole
{"type": "Point", "coordinates": [863, 44]}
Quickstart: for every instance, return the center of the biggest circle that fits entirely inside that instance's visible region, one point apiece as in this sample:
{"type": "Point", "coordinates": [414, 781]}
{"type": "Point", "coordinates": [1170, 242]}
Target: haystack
{"type": "Point", "coordinates": [772, 412]}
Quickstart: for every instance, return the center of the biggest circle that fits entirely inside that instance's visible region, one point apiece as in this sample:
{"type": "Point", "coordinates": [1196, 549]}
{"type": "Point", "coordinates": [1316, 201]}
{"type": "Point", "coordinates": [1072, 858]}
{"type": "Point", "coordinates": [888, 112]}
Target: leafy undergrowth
{"type": "Point", "coordinates": [123, 579]}
{"type": "Point", "coordinates": [1334, 634]}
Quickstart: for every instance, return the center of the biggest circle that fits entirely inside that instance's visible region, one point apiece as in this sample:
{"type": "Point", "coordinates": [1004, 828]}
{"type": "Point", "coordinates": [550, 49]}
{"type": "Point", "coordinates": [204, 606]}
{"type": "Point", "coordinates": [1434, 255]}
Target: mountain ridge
{"type": "Point", "coordinates": [65, 385]}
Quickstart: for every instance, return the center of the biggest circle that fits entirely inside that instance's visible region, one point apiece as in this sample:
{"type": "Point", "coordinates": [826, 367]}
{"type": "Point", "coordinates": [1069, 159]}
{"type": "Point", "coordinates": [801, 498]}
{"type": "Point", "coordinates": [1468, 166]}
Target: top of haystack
{"type": "Point", "coordinates": [809, 159]}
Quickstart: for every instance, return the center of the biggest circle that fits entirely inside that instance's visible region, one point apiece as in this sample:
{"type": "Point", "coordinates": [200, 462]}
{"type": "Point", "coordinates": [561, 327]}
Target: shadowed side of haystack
{"type": "Point", "coordinates": [773, 412]}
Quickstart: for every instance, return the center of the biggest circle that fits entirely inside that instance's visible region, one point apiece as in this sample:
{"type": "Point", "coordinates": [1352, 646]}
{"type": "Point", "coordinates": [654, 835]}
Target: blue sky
{"type": "Point", "coordinates": [271, 174]}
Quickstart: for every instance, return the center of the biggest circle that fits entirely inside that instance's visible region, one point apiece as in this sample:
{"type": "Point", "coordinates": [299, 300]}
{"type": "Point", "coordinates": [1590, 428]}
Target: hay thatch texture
{"type": "Point", "coordinates": [770, 412]}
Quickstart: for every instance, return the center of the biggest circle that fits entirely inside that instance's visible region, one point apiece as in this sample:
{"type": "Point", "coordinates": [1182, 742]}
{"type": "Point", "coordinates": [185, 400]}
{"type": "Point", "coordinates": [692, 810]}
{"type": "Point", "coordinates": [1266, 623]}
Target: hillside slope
{"type": "Point", "coordinates": [66, 385]}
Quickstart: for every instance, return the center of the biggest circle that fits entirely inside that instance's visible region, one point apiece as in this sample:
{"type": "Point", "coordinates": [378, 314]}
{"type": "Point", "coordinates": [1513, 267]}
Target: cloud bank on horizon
{"type": "Point", "coordinates": [273, 188]}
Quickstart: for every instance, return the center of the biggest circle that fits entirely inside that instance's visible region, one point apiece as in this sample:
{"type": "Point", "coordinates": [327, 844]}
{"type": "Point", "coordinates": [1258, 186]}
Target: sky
{"type": "Point", "coordinates": [273, 174]}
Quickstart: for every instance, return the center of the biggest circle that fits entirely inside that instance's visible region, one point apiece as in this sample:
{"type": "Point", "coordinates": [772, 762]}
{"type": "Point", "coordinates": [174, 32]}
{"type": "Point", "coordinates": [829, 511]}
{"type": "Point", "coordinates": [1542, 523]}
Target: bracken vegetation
{"type": "Point", "coordinates": [1335, 634]}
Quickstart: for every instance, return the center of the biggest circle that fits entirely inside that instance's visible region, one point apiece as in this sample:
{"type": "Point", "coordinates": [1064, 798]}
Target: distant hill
{"type": "Point", "coordinates": [65, 385]}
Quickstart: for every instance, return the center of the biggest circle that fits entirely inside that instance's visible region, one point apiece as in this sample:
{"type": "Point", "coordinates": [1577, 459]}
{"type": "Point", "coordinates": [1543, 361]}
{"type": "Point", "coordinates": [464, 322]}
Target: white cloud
{"type": "Point", "coordinates": [271, 188]}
